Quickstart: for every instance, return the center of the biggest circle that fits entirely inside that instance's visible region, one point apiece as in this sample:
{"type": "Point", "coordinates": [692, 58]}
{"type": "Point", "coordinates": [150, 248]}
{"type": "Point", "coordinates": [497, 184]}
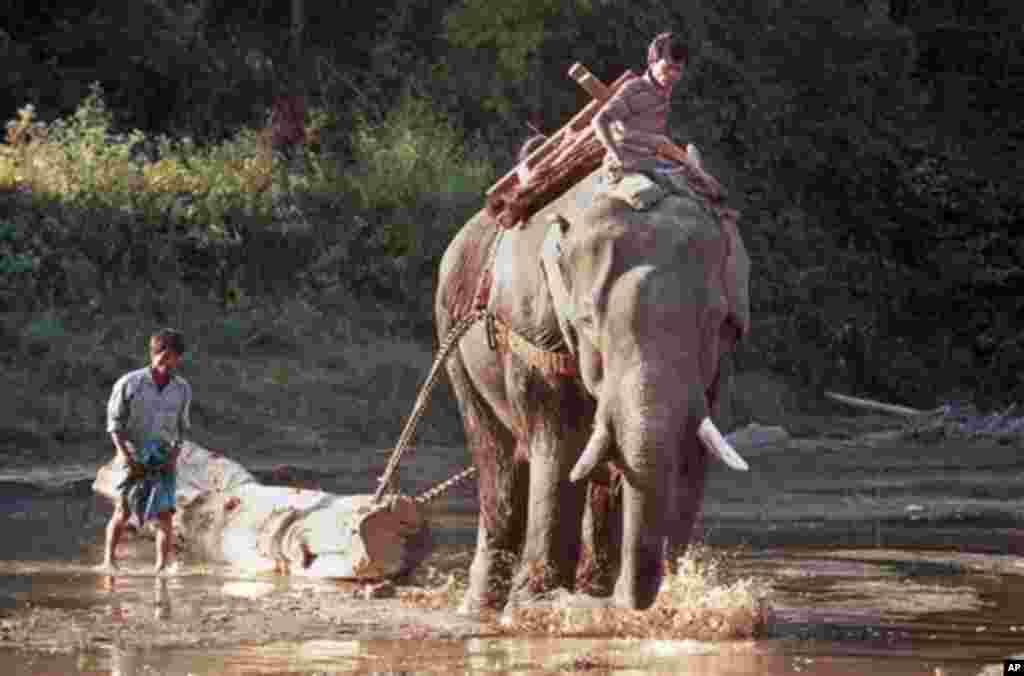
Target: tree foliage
{"type": "Point", "coordinates": [872, 147]}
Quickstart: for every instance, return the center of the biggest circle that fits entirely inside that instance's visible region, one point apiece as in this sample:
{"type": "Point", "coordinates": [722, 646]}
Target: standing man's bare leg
{"type": "Point", "coordinates": [164, 538]}
{"type": "Point", "coordinates": [115, 528]}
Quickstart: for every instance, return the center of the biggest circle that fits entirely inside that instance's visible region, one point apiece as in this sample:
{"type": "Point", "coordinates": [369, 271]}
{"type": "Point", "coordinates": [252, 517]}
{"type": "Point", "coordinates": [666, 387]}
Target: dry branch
{"type": "Point", "coordinates": [872, 405]}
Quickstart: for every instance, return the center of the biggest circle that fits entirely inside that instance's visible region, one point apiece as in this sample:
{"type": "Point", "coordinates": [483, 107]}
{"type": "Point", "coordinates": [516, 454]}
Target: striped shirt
{"type": "Point", "coordinates": [142, 411]}
{"type": "Point", "coordinates": [642, 105]}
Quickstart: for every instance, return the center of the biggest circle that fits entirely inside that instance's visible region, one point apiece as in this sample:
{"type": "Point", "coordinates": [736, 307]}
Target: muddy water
{"type": "Point", "coordinates": [882, 557]}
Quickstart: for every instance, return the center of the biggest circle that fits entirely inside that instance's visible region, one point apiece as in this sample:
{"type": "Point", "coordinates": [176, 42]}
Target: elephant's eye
{"type": "Point", "coordinates": [587, 324]}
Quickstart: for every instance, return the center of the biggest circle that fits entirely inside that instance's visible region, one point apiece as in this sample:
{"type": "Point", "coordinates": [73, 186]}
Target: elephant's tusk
{"type": "Point", "coordinates": [718, 446]}
{"type": "Point", "coordinates": [595, 453]}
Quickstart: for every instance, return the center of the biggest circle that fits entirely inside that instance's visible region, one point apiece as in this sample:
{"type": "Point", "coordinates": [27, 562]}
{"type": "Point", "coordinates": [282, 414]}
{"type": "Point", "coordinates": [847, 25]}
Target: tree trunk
{"type": "Point", "coordinates": [298, 29]}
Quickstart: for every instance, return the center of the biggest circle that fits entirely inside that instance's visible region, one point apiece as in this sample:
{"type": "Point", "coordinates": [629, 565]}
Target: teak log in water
{"type": "Point", "coordinates": [225, 515]}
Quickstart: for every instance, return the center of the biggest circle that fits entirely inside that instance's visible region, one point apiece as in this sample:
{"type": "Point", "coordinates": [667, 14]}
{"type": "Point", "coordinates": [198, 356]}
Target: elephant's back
{"type": "Point", "coordinates": [464, 262]}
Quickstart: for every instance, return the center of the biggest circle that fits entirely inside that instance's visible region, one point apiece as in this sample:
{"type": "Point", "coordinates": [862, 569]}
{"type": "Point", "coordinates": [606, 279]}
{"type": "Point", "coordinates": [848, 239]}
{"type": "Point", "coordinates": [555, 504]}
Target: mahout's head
{"type": "Point", "coordinates": [166, 349]}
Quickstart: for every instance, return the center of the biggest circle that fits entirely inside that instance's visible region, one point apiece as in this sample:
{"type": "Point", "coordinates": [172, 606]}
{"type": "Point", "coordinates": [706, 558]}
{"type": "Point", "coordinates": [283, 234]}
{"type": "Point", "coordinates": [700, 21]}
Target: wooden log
{"type": "Point", "coordinates": [589, 82]}
{"type": "Point", "coordinates": [548, 182]}
{"type": "Point", "coordinates": [579, 122]}
{"type": "Point", "coordinates": [584, 134]}
{"type": "Point", "coordinates": [226, 516]}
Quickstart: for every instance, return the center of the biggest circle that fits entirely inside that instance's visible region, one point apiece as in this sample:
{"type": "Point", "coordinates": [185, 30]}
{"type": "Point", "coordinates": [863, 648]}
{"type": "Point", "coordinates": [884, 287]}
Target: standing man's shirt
{"type": "Point", "coordinates": [143, 412]}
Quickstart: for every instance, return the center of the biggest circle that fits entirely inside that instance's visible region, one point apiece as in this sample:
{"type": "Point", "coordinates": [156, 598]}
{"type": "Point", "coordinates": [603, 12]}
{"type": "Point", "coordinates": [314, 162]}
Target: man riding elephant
{"type": "Point", "coordinates": [632, 124]}
{"type": "Point", "coordinates": [600, 357]}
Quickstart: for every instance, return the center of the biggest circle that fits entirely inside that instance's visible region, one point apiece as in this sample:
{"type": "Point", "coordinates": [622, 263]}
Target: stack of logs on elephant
{"type": "Point", "coordinates": [588, 397]}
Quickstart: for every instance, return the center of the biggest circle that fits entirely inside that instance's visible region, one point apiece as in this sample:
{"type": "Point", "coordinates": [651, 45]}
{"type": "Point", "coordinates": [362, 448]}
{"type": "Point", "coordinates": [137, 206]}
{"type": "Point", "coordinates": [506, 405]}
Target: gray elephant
{"type": "Point", "coordinates": [602, 363]}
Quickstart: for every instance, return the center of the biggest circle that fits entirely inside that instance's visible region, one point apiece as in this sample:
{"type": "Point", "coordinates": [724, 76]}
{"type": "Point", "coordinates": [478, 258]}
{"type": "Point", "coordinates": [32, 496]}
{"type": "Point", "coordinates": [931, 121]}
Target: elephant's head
{"type": "Point", "coordinates": [649, 302]}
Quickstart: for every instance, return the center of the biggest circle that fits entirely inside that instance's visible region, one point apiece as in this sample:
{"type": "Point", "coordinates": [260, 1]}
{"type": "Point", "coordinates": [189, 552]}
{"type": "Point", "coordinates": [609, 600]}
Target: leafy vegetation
{"type": "Point", "coordinates": [867, 144]}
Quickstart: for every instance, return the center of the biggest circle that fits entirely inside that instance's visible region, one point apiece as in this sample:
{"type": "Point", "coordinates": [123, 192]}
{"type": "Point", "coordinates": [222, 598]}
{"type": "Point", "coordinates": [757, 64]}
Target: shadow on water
{"type": "Point", "coordinates": [872, 570]}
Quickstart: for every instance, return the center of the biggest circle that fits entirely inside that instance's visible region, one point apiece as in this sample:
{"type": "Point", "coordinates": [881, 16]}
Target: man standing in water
{"type": "Point", "coordinates": [147, 416]}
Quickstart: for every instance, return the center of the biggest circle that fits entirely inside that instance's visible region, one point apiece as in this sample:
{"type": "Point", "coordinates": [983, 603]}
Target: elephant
{"type": "Point", "coordinates": [587, 397]}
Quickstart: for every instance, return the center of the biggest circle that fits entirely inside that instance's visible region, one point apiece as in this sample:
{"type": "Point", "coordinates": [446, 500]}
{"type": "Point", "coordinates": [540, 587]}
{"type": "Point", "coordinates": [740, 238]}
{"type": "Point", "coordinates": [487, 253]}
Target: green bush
{"type": "Point", "coordinates": [411, 156]}
{"type": "Point", "coordinates": [12, 263]}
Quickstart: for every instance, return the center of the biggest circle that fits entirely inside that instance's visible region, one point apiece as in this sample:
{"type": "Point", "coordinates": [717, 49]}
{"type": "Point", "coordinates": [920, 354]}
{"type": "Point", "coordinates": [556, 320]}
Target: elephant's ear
{"type": "Point", "coordinates": [603, 262]}
{"type": "Point", "coordinates": [558, 285]}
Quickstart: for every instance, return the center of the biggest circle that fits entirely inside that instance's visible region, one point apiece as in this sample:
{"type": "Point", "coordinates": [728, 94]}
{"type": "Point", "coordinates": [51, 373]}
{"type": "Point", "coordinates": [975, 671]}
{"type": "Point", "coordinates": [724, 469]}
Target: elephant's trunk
{"type": "Point", "coordinates": [647, 499]}
{"type": "Point", "coordinates": [652, 418]}
{"type": "Point", "coordinates": [642, 565]}
{"type": "Point", "coordinates": [660, 435]}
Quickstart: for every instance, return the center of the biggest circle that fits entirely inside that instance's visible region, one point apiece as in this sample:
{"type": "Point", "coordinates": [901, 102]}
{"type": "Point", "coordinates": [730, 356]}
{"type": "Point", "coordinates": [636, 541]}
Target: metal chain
{"type": "Point", "coordinates": [428, 496]}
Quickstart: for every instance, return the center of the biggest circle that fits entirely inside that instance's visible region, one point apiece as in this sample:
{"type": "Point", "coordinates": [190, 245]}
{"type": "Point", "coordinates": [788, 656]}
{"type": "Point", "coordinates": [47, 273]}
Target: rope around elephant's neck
{"type": "Point", "coordinates": [450, 341]}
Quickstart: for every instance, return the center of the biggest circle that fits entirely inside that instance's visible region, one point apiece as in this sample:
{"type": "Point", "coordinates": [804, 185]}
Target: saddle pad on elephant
{"type": "Point", "coordinates": [638, 191]}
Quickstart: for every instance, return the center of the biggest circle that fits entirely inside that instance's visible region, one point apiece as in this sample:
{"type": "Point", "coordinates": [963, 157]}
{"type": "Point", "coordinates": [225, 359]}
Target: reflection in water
{"type": "Point", "coordinates": [126, 663]}
{"type": "Point", "coordinates": [837, 612]}
{"type": "Point", "coordinates": [161, 600]}
{"type": "Point", "coordinates": [249, 589]}
{"type": "Point", "coordinates": [506, 656]}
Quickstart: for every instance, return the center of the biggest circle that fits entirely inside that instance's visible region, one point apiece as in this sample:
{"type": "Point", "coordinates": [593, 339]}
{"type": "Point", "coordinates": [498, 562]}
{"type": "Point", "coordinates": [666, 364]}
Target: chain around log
{"type": "Point", "coordinates": [428, 496]}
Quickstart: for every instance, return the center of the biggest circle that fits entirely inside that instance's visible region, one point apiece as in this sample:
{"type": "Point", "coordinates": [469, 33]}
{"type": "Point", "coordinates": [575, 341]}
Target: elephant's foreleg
{"type": "Point", "coordinates": [688, 490]}
{"type": "Point", "coordinates": [555, 426]}
{"type": "Point", "coordinates": [551, 547]}
{"type": "Point", "coordinates": [502, 487]}
{"type": "Point", "coordinates": [688, 502]}
{"type": "Point", "coordinates": [602, 531]}
{"type": "Point", "coordinates": [642, 560]}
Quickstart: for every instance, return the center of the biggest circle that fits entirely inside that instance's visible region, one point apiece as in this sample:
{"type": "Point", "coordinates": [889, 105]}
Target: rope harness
{"type": "Point", "coordinates": [500, 336]}
{"type": "Point", "coordinates": [450, 342]}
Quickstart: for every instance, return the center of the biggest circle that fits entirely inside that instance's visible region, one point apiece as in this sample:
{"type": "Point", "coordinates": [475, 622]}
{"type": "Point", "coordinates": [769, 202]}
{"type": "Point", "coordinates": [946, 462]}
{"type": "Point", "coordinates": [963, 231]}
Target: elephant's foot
{"type": "Point", "coordinates": [534, 581]}
{"type": "Point", "coordinates": [471, 605]}
{"type": "Point", "coordinates": [540, 586]}
{"type": "Point", "coordinates": [563, 599]}
{"type": "Point", "coordinates": [631, 595]}
{"type": "Point", "coordinates": [594, 577]}
{"type": "Point", "coordinates": [478, 599]}
{"type": "Point", "coordinates": [488, 584]}
{"type": "Point", "coordinates": [554, 600]}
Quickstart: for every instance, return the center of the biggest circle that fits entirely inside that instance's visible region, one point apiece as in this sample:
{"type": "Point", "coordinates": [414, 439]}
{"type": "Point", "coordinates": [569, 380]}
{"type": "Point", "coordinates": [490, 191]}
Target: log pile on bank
{"type": "Point", "coordinates": [952, 420]}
